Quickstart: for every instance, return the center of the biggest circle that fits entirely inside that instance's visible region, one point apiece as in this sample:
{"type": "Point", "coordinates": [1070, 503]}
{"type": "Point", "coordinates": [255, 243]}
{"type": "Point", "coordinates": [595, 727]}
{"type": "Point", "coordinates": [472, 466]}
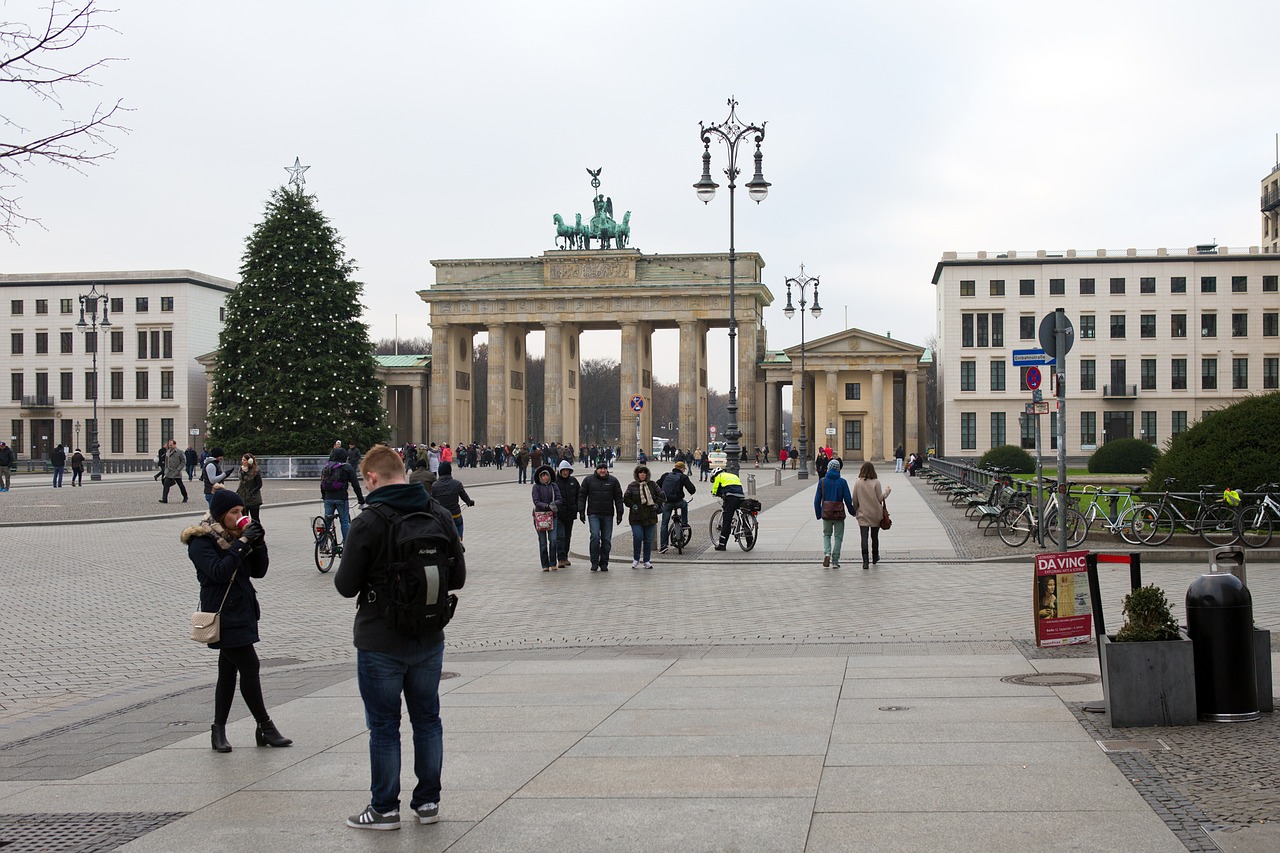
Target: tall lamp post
{"type": "Point", "coordinates": [90, 302]}
{"type": "Point", "coordinates": [731, 132]}
{"type": "Point", "coordinates": [802, 281]}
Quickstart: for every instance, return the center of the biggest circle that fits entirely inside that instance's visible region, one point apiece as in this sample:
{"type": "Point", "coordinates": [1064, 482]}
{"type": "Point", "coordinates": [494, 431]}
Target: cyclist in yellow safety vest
{"type": "Point", "coordinates": [727, 486]}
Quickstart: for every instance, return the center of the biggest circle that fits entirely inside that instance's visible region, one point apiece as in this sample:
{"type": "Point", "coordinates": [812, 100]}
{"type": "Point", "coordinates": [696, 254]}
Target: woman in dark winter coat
{"type": "Point", "coordinates": [226, 560]}
{"type": "Point", "coordinates": [645, 500]}
{"type": "Point", "coordinates": [546, 498]}
{"type": "Point", "coordinates": [568, 486]}
{"type": "Point", "coordinates": [251, 486]}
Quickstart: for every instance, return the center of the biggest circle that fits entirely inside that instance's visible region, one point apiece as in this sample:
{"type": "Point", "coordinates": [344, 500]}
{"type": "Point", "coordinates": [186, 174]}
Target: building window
{"type": "Point", "coordinates": [1239, 374]}
{"type": "Point", "coordinates": [1088, 327]}
{"type": "Point", "coordinates": [1240, 324]}
{"type": "Point", "coordinates": [1022, 378]}
{"type": "Point", "coordinates": [1178, 284]}
{"type": "Point", "coordinates": [166, 430]}
{"type": "Point", "coordinates": [1117, 285]}
{"type": "Point", "coordinates": [1088, 374]}
{"type": "Point", "coordinates": [67, 380]}
{"type": "Point", "coordinates": [1271, 373]}
{"type": "Point", "coordinates": [1208, 374]}
{"type": "Point", "coordinates": [968, 430]}
{"type": "Point", "coordinates": [1208, 284]}
{"type": "Point", "coordinates": [65, 342]}
{"type": "Point", "coordinates": [142, 444]}
{"type": "Point", "coordinates": [1178, 325]}
{"type": "Point", "coordinates": [1178, 374]}
{"type": "Point", "coordinates": [968, 288]}
{"type": "Point", "coordinates": [15, 430]}
{"type": "Point", "coordinates": [966, 330]}
{"type": "Point", "coordinates": [1179, 423]}
{"type": "Point", "coordinates": [117, 305]}
{"type": "Point", "coordinates": [982, 330]}
{"type": "Point", "coordinates": [997, 287]}
{"type": "Point", "coordinates": [852, 435]}
{"type": "Point", "coordinates": [142, 384]}
{"type": "Point", "coordinates": [117, 385]}
{"type": "Point", "coordinates": [117, 340]}
{"type": "Point", "coordinates": [1117, 325]}
{"type": "Point", "coordinates": [90, 342]}
{"type": "Point", "coordinates": [1239, 284]}
{"type": "Point", "coordinates": [1149, 427]}
{"type": "Point", "coordinates": [1147, 325]}
{"type": "Point", "coordinates": [15, 343]}
{"type": "Point", "coordinates": [1147, 285]}
{"type": "Point", "coordinates": [997, 330]}
{"type": "Point", "coordinates": [167, 337]}
{"type": "Point", "coordinates": [997, 376]}
{"type": "Point", "coordinates": [117, 436]}
{"type": "Point", "coordinates": [1053, 430]}
{"type": "Point", "coordinates": [90, 385]}
{"type": "Point", "coordinates": [968, 380]}
{"type": "Point", "coordinates": [1088, 427]}
{"type": "Point", "coordinates": [42, 343]}
{"type": "Point", "coordinates": [1148, 374]}
{"type": "Point", "coordinates": [42, 306]}
{"type": "Point", "coordinates": [1208, 325]}
{"type": "Point", "coordinates": [1026, 287]}
{"type": "Point", "coordinates": [997, 429]}
{"type": "Point", "coordinates": [222, 313]}
{"type": "Point", "coordinates": [1270, 324]}
{"type": "Point", "coordinates": [142, 343]}
{"type": "Point", "coordinates": [166, 303]}
{"type": "Point", "coordinates": [1028, 434]}
{"type": "Point", "coordinates": [1057, 287]}
{"type": "Point", "coordinates": [1086, 287]}
{"type": "Point", "coordinates": [1026, 328]}
{"type": "Point", "coordinates": [853, 390]}
{"type": "Point", "coordinates": [166, 385]}
{"type": "Point", "coordinates": [15, 386]}
{"type": "Point", "coordinates": [155, 343]}
{"type": "Point", "coordinates": [64, 306]}
{"type": "Point", "coordinates": [140, 305]}
{"type": "Point", "coordinates": [1269, 283]}
{"type": "Point", "coordinates": [15, 307]}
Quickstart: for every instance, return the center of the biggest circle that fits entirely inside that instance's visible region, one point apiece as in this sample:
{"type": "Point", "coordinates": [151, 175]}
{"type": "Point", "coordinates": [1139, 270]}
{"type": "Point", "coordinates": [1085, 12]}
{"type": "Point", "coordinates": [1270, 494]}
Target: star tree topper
{"type": "Point", "coordinates": [296, 172]}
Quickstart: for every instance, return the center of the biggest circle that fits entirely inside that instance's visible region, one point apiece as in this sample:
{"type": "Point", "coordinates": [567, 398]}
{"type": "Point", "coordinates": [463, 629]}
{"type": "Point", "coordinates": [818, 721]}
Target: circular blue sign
{"type": "Point", "coordinates": [1033, 378]}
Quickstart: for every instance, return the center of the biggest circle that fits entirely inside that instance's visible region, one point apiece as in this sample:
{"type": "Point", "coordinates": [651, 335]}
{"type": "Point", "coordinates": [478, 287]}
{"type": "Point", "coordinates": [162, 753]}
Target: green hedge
{"type": "Point", "coordinates": [1009, 457]}
{"type": "Point", "coordinates": [1236, 447]}
{"type": "Point", "coordinates": [1124, 456]}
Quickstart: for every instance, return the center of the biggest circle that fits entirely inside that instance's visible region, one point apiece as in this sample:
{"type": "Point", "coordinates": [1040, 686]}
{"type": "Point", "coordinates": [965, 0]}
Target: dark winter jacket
{"type": "Point", "coordinates": [674, 484]}
{"type": "Point", "coordinates": [364, 565]}
{"type": "Point", "coordinates": [545, 497]}
{"type": "Point", "coordinates": [191, 457]}
{"type": "Point", "coordinates": [214, 568]}
{"type": "Point", "coordinates": [569, 488]}
{"type": "Point", "coordinates": [58, 458]}
{"type": "Point", "coordinates": [213, 473]}
{"type": "Point", "coordinates": [346, 475]}
{"type": "Point", "coordinates": [600, 495]}
{"type": "Point", "coordinates": [832, 487]}
{"type": "Point", "coordinates": [251, 486]}
{"type": "Point", "coordinates": [7, 458]}
{"type": "Point", "coordinates": [77, 461]}
{"type": "Point", "coordinates": [644, 512]}
{"type": "Point", "coordinates": [448, 492]}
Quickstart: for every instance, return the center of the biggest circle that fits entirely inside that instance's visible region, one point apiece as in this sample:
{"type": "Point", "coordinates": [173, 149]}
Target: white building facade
{"type": "Point", "coordinates": [1160, 338]}
{"type": "Point", "coordinates": [148, 384]}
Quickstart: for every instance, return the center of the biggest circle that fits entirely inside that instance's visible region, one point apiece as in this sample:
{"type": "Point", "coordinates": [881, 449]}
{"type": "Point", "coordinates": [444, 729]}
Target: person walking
{"type": "Point", "coordinates": [58, 459]}
{"type": "Point", "coordinates": [830, 501]}
{"type": "Point", "coordinates": [174, 461]}
{"type": "Point", "coordinates": [7, 460]}
{"type": "Point", "coordinates": [644, 499]}
{"type": "Point", "coordinates": [868, 501]}
{"type": "Point", "coordinates": [334, 479]}
{"type": "Point", "coordinates": [191, 459]}
{"type": "Point", "coordinates": [77, 468]}
{"type": "Point", "coordinates": [899, 454]}
{"type": "Point", "coordinates": [568, 486]}
{"type": "Point", "coordinates": [546, 498]}
{"type": "Point", "coordinates": [226, 559]}
{"type": "Point", "coordinates": [522, 464]}
{"type": "Point", "coordinates": [212, 473]}
{"type": "Point", "coordinates": [600, 507]}
{"type": "Point", "coordinates": [160, 454]}
{"type": "Point", "coordinates": [450, 494]}
{"type": "Point", "coordinates": [782, 457]}
{"type": "Point", "coordinates": [390, 665]}
{"type": "Point", "coordinates": [251, 486]}
{"type": "Point", "coordinates": [673, 484]}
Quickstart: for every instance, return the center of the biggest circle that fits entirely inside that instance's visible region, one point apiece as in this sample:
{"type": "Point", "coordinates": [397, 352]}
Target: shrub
{"type": "Point", "coordinates": [1149, 617]}
{"type": "Point", "coordinates": [1009, 457]}
{"type": "Point", "coordinates": [1124, 456]}
{"type": "Point", "coordinates": [1235, 447]}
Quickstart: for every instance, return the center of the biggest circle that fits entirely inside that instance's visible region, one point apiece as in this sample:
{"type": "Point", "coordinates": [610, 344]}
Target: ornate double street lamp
{"type": "Point", "coordinates": [731, 132]}
{"type": "Point", "coordinates": [802, 281]}
{"type": "Point", "coordinates": [90, 302]}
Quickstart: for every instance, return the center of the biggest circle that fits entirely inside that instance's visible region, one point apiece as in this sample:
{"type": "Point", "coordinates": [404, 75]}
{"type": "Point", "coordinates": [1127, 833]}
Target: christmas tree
{"type": "Point", "coordinates": [295, 364]}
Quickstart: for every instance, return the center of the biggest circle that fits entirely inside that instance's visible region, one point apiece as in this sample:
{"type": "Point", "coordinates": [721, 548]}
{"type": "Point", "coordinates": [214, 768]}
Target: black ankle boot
{"type": "Point", "coordinates": [219, 738]}
{"type": "Point", "coordinates": [266, 734]}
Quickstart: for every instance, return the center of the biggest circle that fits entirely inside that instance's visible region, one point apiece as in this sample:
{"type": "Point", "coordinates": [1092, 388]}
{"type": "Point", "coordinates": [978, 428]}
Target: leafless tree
{"type": "Point", "coordinates": [406, 346]}
{"type": "Point", "coordinates": [45, 57]}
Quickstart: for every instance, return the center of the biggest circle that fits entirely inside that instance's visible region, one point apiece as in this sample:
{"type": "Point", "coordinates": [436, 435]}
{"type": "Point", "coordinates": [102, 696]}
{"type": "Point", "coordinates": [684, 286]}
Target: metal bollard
{"type": "Point", "coordinates": [1220, 624]}
{"type": "Point", "coordinates": [777, 476]}
{"type": "Point", "coordinates": [751, 484]}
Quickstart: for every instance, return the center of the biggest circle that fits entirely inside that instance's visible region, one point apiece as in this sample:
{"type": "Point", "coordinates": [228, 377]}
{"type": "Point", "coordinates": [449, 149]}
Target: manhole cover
{"type": "Point", "coordinates": [1052, 679]}
{"type": "Point", "coordinates": [1150, 745]}
{"type": "Point", "coordinates": [895, 708]}
{"type": "Point", "coordinates": [445, 675]}
{"type": "Point", "coordinates": [98, 832]}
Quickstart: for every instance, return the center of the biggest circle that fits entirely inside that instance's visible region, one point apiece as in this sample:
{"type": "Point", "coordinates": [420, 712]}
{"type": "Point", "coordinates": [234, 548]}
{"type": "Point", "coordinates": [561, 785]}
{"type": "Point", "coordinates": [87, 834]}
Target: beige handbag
{"type": "Point", "coordinates": [207, 627]}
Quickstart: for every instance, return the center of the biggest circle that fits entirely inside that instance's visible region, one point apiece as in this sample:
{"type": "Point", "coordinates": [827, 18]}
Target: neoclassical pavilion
{"type": "Point", "coordinates": [565, 293]}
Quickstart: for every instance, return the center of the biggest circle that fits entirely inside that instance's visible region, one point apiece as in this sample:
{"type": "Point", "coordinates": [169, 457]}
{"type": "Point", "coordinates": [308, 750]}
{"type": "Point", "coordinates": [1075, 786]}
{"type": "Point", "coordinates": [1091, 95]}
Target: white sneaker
{"type": "Point", "coordinates": [635, 564]}
{"type": "Point", "coordinates": [648, 565]}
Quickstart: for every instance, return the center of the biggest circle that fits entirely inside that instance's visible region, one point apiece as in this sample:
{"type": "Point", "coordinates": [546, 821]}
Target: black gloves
{"type": "Point", "coordinates": [253, 533]}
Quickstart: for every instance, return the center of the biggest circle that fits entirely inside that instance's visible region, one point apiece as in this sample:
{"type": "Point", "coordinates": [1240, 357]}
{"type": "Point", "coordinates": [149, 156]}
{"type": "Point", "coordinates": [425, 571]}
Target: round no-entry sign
{"type": "Point", "coordinates": [1033, 378]}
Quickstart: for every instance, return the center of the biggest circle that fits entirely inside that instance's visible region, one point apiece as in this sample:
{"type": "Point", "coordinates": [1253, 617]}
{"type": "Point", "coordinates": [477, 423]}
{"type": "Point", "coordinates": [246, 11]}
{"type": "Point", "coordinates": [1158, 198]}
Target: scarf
{"type": "Point", "coordinates": [220, 534]}
{"type": "Point", "coordinates": [646, 495]}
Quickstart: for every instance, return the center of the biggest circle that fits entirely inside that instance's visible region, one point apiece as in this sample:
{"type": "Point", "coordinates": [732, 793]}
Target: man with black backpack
{"type": "Point", "coordinates": [335, 476]}
{"type": "Point", "coordinates": [402, 559]}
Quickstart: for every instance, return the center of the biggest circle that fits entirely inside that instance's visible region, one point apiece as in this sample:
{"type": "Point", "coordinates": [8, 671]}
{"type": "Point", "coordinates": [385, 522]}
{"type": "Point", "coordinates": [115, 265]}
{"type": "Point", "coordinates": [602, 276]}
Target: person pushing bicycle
{"type": "Point", "coordinates": [728, 487]}
{"type": "Point", "coordinates": [674, 483]}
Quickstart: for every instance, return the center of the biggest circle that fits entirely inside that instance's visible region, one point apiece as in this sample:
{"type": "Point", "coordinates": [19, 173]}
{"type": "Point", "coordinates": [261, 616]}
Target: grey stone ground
{"type": "Point", "coordinates": [720, 701]}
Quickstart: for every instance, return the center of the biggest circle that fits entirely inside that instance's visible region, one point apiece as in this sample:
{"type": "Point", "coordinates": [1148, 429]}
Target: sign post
{"type": "Point", "coordinates": [637, 406]}
{"type": "Point", "coordinates": [1056, 337]}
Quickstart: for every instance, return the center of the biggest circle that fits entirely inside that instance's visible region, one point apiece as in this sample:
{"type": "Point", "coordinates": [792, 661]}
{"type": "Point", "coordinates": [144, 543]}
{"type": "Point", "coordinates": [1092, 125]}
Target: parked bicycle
{"type": "Point", "coordinates": [1018, 521]}
{"type": "Point", "coordinates": [744, 527]}
{"type": "Point", "coordinates": [1117, 520]}
{"type": "Point", "coordinates": [1215, 522]}
{"type": "Point", "coordinates": [1256, 519]}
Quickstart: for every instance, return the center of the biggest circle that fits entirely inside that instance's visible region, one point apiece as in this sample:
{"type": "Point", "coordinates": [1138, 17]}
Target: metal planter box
{"type": "Point", "coordinates": [1149, 684]}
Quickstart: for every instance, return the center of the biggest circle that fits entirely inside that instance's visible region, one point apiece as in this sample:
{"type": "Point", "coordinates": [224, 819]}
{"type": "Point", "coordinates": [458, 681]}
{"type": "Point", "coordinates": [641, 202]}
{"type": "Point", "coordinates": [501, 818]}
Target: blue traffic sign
{"type": "Point", "coordinates": [637, 404]}
{"type": "Point", "coordinates": [1033, 378]}
{"type": "Point", "coordinates": [1030, 356]}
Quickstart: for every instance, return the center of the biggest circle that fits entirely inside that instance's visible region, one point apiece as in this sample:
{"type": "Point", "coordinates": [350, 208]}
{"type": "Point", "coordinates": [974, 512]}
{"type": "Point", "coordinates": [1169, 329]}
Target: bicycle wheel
{"type": "Point", "coordinates": [1014, 527]}
{"type": "Point", "coordinates": [715, 526]}
{"type": "Point", "coordinates": [1152, 525]}
{"type": "Point", "coordinates": [1218, 525]}
{"type": "Point", "coordinates": [1125, 527]}
{"type": "Point", "coordinates": [317, 526]}
{"type": "Point", "coordinates": [1255, 526]}
{"type": "Point", "coordinates": [682, 536]}
{"type": "Point", "coordinates": [1069, 522]}
{"type": "Point", "coordinates": [748, 528]}
{"type": "Point", "coordinates": [325, 548]}
{"type": "Point", "coordinates": [674, 537]}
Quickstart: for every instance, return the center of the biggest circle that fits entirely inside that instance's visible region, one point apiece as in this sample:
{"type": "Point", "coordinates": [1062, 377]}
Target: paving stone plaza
{"type": "Point", "coordinates": [722, 701]}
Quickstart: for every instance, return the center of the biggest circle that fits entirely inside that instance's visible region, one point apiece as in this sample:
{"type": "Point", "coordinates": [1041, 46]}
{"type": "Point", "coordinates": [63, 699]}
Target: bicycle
{"type": "Point", "coordinates": [1119, 520]}
{"type": "Point", "coordinates": [327, 544]}
{"type": "Point", "coordinates": [679, 532]}
{"type": "Point", "coordinates": [744, 527]}
{"type": "Point", "coordinates": [1017, 522]}
{"type": "Point", "coordinates": [1216, 523]}
{"type": "Point", "coordinates": [1255, 520]}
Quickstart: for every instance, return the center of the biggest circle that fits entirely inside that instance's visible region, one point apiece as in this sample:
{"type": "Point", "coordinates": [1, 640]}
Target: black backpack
{"type": "Point", "coordinates": [415, 600]}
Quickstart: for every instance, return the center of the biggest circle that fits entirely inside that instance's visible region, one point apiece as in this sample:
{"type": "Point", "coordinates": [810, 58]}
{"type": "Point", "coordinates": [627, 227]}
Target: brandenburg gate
{"type": "Point", "coordinates": [566, 292]}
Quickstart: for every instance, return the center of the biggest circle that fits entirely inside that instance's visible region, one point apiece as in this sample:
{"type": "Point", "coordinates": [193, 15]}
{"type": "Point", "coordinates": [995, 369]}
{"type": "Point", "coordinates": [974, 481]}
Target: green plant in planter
{"type": "Point", "coordinates": [1149, 617]}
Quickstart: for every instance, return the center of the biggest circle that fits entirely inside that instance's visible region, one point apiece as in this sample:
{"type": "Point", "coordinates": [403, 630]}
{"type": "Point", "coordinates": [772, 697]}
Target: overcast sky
{"type": "Point", "coordinates": [896, 131]}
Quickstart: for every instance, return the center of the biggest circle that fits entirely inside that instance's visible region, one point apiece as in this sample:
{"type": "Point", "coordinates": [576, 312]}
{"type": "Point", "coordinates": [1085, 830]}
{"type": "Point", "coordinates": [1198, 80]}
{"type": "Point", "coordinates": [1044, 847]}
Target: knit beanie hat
{"type": "Point", "coordinates": [445, 469]}
{"type": "Point", "coordinates": [223, 500]}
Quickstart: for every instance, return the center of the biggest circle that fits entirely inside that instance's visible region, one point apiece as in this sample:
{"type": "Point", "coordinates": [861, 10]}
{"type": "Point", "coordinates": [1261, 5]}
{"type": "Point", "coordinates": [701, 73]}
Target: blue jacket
{"type": "Point", "coordinates": [832, 487]}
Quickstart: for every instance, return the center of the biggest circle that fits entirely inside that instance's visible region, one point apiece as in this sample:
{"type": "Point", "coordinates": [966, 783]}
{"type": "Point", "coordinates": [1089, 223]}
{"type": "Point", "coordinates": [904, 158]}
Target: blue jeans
{"type": "Point", "coordinates": [564, 532]}
{"type": "Point", "coordinates": [57, 476]}
{"type": "Point", "coordinates": [667, 508]}
{"type": "Point", "coordinates": [457, 522]}
{"type": "Point", "coordinates": [547, 545]}
{"type": "Point", "coordinates": [601, 527]}
{"type": "Point", "coordinates": [339, 507]}
{"type": "Point", "coordinates": [642, 540]}
{"type": "Point", "coordinates": [383, 677]}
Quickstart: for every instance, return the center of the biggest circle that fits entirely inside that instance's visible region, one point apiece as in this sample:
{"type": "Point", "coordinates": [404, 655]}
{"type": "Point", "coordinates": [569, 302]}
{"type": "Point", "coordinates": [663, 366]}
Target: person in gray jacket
{"type": "Point", "coordinates": [175, 463]}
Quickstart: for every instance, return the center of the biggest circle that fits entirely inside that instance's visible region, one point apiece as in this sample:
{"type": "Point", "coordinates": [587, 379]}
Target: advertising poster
{"type": "Point", "coordinates": [1061, 599]}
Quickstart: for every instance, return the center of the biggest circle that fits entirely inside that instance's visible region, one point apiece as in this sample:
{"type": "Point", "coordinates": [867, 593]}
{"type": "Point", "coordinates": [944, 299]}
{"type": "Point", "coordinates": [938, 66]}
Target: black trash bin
{"type": "Point", "coordinates": [1220, 624]}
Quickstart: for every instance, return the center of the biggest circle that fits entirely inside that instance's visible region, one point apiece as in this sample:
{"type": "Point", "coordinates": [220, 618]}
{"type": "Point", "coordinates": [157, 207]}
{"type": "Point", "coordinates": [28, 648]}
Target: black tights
{"type": "Point", "coordinates": [243, 660]}
{"type": "Point", "coordinates": [875, 542]}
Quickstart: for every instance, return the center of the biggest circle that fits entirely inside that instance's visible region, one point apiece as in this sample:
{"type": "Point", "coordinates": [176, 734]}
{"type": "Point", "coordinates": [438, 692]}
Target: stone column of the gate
{"type": "Point", "coordinates": [693, 387]}
{"type": "Point", "coordinates": [561, 391]}
{"type": "Point", "coordinates": [499, 346]}
{"type": "Point", "coordinates": [637, 368]}
{"type": "Point", "coordinates": [876, 450]}
{"type": "Point", "coordinates": [415, 415]}
{"type": "Point", "coordinates": [749, 385]}
{"type": "Point", "coordinates": [451, 354]}
{"type": "Point", "coordinates": [831, 411]}
{"type": "Point", "coordinates": [913, 415]}
{"type": "Point", "coordinates": [517, 371]}
{"type": "Point", "coordinates": [772, 413]}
